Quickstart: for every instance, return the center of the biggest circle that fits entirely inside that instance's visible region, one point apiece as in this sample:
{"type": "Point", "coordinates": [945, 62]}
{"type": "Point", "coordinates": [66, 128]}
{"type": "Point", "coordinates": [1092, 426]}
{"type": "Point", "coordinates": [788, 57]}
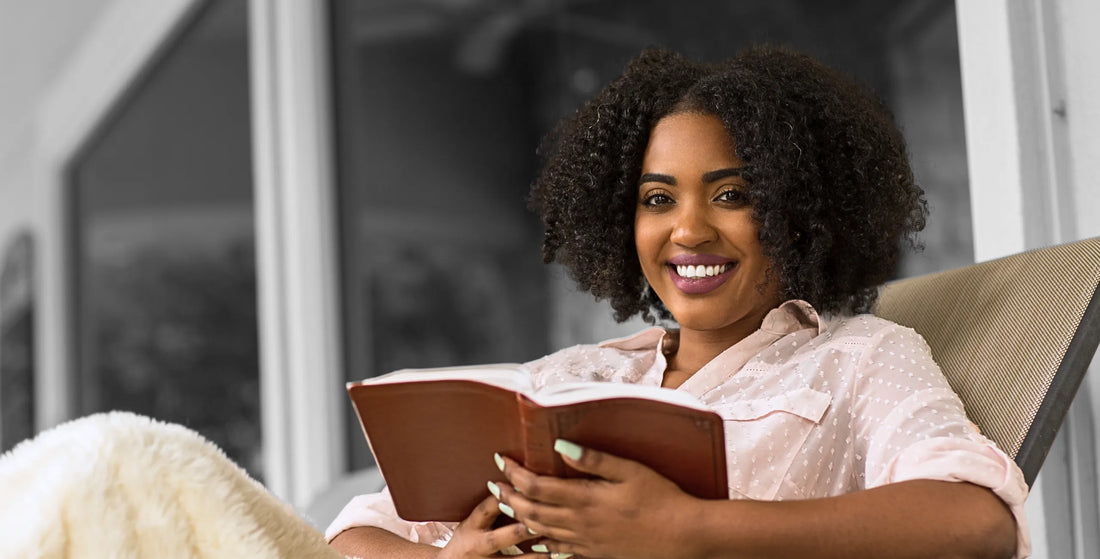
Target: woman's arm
{"type": "Point", "coordinates": [920, 518]}
{"type": "Point", "coordinates": [368, 541]}
{"type": "Point", "coordinates": [634, 512]}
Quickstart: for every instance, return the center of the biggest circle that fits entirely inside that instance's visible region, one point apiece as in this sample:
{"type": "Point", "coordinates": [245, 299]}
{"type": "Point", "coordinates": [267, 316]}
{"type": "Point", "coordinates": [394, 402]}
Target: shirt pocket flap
{"type": "Point", "coordinates": [806, 403]}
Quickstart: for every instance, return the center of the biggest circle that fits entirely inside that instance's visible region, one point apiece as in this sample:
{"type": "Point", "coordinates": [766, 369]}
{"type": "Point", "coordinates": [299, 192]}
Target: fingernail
{"type": "Point", "coordinates": [507, 510]}
{"type": "Point", "coordinates": [499, 461]}
{"type": "Point", "coordinates": [539, 548]}
{"type": "Point", "coordinates": [567, 448]}
{"type": "Point", "coordinates": [532, 532]}
{"type": "Point", "coordinates": [494, 490]}
{"type": "Point", "coordinates": [560, 555]}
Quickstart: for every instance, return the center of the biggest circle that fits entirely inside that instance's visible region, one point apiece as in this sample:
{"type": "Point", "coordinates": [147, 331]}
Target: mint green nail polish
{"type": "Point", "coordinates": [507, 510]}
{"type": "Point", "coordinates": [539, 548]}
{"type": "Point", "coordinates": [567, 448]}
{"type": "Point", "coordinates": [494, 490]}
{"type": "Point", "coordinates": [560, 555]}
{"type": "Point", "coordinates": [499, 461]}
{"type": "Point", "coordinates": [532, 532]}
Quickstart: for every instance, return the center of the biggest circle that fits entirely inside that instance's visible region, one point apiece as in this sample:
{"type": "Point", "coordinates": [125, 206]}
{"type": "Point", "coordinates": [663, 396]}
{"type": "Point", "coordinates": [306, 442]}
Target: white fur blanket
{"type": "Point", "coordinates": [122, 485]}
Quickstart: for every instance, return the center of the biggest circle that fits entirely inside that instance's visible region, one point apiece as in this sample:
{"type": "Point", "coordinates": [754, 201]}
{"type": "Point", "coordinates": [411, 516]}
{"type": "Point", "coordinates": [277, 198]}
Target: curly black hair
{"type": "Point", "coordinates": [828, 175]}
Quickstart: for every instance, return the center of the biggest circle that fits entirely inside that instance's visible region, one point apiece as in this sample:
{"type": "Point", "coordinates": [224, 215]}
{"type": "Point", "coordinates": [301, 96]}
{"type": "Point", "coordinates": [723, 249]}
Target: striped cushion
{"type": "Point", "coordinates": [1000, 330]}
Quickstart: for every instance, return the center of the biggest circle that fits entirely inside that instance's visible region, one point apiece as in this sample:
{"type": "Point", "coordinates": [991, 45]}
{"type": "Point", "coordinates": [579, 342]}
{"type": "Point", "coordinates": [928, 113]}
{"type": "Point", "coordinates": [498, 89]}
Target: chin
{"type": "Point", "coordinates": [693, 321]}
{"type": "Point", "coordinates": [705, 316]}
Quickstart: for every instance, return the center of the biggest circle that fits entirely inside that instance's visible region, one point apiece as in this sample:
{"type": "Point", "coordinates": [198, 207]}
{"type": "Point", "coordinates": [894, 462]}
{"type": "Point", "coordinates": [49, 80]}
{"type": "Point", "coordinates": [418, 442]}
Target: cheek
{"type": "Point", "coordinates": [747, 234]}
{"type": "Point", "coordinates": [647, 241]}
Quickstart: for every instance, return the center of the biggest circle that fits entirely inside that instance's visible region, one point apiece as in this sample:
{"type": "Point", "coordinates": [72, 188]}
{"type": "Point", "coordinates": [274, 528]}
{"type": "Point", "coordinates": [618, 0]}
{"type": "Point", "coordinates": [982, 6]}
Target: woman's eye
{"type": "Point", "coordinates": [657, 199]}
{"type": "Point", "coordinates": [732, 196]}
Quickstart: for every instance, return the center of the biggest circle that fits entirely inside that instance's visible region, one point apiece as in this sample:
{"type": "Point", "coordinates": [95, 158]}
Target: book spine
{"type": "Point", "coordinates": [539, 433]}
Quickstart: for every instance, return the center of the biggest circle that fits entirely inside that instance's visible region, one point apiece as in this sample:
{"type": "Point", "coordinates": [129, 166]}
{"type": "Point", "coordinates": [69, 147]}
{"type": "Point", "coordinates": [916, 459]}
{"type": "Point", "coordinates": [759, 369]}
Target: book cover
{"type": "Point", "coordinates": [433, 433]}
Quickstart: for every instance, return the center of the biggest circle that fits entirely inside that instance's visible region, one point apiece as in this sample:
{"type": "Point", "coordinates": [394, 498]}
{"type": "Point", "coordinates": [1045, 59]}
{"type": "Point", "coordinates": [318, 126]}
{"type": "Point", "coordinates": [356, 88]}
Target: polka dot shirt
{"type": "Point", "coordinates": [812, 407]}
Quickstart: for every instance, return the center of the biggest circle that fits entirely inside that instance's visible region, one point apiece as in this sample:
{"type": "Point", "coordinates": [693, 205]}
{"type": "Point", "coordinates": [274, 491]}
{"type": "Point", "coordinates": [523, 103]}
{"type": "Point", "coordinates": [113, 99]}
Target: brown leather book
{"type": "Point", "coordinates": [434, 431]}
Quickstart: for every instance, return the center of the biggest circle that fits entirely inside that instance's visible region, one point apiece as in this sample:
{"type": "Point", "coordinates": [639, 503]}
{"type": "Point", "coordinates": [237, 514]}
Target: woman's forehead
{"type": "Point", "coordinates": [690, 138]}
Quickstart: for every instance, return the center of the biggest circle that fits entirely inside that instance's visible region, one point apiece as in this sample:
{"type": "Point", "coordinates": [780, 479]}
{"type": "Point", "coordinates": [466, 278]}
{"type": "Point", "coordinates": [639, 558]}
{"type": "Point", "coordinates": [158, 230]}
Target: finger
{"type": "Point", "coordinates": [554, 534]}
{"type": "Point", "coordinates": [484, 514]}
{"type": "Point", "coordinates": [547, 489]}
{"type": "Point", "coordinates": [508, 536]}
{"type": "Point", "coordinates": [547, 521]}
{"type": "Point", "coordinates": [558, 549]}
{"type": "Point", "coordinates": [600, 464]}
{"type": "Point", "coordinates": [537, 516]}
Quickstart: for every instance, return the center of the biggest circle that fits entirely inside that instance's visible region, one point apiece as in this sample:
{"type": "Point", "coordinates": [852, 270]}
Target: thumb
{"type": "Point", "coordinates": [601, 464]}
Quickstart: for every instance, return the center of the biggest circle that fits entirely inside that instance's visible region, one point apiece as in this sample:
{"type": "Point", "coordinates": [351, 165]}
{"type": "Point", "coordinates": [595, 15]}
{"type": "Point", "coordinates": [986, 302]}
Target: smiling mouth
{"type": "Point", "coordinates": [702, 272]}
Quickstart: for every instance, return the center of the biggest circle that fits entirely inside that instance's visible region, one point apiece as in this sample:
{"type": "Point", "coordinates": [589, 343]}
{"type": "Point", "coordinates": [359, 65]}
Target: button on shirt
{"type": "Point", "coordinates": [812, 407]}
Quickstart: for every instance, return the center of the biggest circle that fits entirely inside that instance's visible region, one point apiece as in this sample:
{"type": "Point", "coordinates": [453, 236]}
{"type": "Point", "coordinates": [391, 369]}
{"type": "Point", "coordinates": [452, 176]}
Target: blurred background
{"type": "Point", "coordinates": [216, 212]}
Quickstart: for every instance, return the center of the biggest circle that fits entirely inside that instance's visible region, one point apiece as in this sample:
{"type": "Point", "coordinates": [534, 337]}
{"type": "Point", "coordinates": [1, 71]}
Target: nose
{"type": "Point", "coordinates": [693, 227]}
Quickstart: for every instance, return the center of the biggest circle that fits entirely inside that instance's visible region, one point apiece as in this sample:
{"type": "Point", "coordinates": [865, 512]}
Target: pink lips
{"type": "Point", "coordinates": [697, 286]}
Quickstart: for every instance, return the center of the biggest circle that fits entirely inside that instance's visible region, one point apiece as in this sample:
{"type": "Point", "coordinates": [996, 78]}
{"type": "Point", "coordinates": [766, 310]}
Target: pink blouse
{"type": "Point", "coordinates": [813, 407]}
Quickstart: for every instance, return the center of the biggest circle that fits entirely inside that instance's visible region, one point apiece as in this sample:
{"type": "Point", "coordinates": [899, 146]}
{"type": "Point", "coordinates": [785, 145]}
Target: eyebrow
{"type": "Point", "coordinates": [657, 177]}
{"type": "Point", "coordinates": [708, 177]}
{"type": "Point", "coordinates": [723, 173]}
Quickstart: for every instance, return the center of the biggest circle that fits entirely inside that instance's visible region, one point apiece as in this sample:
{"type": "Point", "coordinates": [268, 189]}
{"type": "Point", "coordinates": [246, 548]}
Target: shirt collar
{"type": "Point", "coordinates": [789, 317]}
{"type": "Point", "coordinates": [646, 339]}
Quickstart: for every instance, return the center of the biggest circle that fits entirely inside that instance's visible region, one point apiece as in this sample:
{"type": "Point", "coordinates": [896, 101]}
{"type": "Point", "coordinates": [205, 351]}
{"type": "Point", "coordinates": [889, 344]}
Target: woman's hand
{"type": "Point", "coordinates": [629, 511]}
{"type": "Point", "coordinates": [476, 537]}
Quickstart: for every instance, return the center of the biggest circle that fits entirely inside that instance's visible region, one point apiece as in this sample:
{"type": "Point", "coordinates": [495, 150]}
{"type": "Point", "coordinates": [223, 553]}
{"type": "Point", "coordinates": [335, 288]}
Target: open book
{"type": "Point", "coordinates": [433, 432]}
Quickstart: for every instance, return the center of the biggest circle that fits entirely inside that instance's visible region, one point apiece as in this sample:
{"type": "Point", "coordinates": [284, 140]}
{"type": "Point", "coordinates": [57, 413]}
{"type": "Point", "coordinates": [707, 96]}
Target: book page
{"type": "Point", "coordinates": [572, 392]}
{"type": "Point", "coordinates": [509, 376]}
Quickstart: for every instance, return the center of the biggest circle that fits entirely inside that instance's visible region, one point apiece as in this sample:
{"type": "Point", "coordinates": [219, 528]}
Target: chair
{"type": "Point", "coordinates": [1014, 337]}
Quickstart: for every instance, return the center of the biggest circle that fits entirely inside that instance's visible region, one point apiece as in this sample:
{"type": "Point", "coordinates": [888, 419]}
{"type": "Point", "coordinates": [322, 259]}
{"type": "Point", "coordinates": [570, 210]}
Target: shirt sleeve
{"type": "Point", "coordinates": [376, 509]}
{"type": "Point", "coordinates": [920, 430]}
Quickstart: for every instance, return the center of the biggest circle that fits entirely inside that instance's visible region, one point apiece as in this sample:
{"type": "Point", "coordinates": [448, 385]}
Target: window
{"type": "Point", "coordinates": [161, 202]}
{"type": "Point", "coordinates": [440, 107]}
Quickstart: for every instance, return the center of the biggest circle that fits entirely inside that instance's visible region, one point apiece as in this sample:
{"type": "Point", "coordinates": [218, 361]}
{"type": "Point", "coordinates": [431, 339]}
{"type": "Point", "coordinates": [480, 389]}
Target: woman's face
{"type": "Point", "coordinates": [693, 229]}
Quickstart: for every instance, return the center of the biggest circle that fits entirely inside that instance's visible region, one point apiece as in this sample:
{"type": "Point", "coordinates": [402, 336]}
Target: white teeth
{"type": "Point", "coordinates": [702, 271]}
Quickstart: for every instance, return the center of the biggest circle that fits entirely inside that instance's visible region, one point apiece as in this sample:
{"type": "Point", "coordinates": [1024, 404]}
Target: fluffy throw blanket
{"type": "Point", "coordinates": [122, 485]}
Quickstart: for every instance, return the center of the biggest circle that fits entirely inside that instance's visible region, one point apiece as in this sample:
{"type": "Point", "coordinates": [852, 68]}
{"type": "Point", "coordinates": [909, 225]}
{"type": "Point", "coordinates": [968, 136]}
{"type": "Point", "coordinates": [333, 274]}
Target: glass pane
{"type": "Point", "coordinates": [17, 304]}
{"type": "Point", "coordinates": [440, 107]}
{"type": "Point", "coordinates": [163, 244]}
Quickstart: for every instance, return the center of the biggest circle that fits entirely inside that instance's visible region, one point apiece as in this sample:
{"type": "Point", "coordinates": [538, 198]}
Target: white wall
{"type": "Point", "coordinates": [37, 39]}
{"type": "Point", "coordinates": [1081, 55]}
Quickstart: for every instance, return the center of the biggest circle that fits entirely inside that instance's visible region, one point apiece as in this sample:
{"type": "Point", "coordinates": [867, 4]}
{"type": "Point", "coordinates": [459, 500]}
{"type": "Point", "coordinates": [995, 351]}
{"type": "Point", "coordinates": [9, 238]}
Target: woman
{"type": "Point", "coordinates": [759, 203]}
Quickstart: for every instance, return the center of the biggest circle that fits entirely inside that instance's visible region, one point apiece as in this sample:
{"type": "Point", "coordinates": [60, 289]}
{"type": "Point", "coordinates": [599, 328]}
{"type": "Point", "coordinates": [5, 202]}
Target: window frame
{"type": "Point", "coordinates": [122, 42]}
{"type": "Point", "coordinates": [302, 387]}
{"type": "Point", "coordinates": [301, 376]}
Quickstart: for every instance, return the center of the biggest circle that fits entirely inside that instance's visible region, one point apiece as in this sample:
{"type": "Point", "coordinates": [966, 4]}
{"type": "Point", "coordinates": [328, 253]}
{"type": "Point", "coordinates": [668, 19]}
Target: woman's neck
{"type": "Point", "coordinates": [695, 348]}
